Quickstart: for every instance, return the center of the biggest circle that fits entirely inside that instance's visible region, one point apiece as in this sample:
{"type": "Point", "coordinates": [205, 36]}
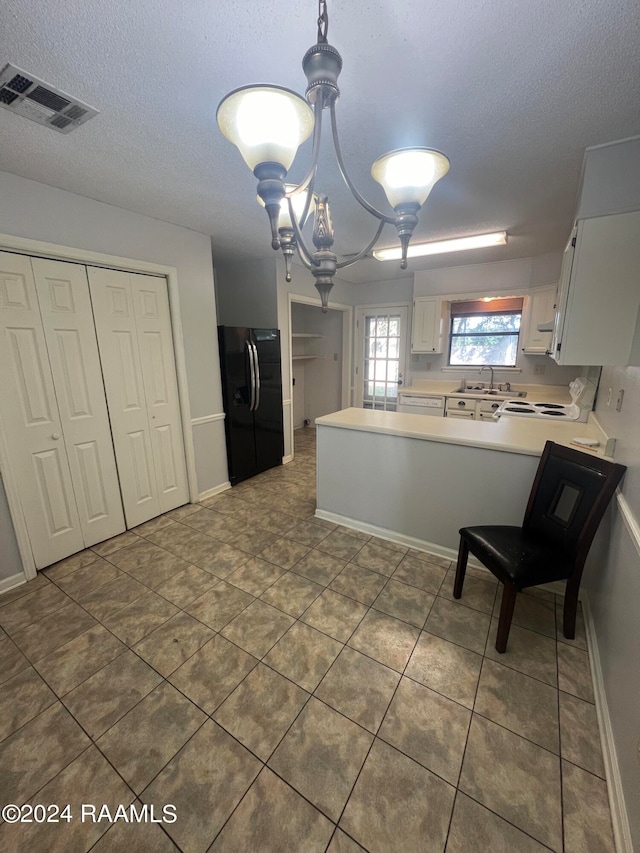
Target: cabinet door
{"type": "Point", "coordinates": [134, 336]}
{"type": "Point", "coordinates": [563, 294]}
{"type": "Point", "coordinates": [31, 419]}
{"type": "Point", "coordinates": [115, 321]}
{"type": "Point", "coordinates": [603, 296]}
{"type": "Point", "coordinates": [426, 332]}
{"type": "Point", "coordinates": [63, 294]}
{"type": "Point", "coordinates": [541, 309]}
{"type": "Point", "coordinates": [153, 322]}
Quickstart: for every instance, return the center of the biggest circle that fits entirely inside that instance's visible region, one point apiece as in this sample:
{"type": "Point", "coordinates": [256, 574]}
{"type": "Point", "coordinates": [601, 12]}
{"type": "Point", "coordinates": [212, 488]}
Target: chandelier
{"type": "Point", "coordinates": [269, 123]}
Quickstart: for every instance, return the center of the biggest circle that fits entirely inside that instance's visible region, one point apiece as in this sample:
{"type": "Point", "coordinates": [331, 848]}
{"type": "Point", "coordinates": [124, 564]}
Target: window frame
{"type": "Point", "coordinates": [504, 312]}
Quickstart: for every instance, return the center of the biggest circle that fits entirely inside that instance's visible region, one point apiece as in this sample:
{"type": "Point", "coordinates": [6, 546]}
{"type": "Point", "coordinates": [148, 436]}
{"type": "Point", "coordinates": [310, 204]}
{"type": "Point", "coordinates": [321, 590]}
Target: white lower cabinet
{"type": "Point", "coordinates": [59, 424]}
{"type": "Point", "coordinates": [479, 410]}
{"type": "Point", "coordinates": [459, 408]}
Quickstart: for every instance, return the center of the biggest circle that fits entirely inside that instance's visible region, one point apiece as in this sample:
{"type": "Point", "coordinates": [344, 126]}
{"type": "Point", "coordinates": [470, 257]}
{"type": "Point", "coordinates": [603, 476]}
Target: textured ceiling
{"type": "Point", "coordinates": [513, 92]}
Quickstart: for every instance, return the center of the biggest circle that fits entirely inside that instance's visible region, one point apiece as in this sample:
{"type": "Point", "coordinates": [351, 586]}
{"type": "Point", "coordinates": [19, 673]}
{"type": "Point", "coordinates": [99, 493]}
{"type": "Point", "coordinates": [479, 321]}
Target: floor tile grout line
{"type": "Point", "coordinates": [368, 609]}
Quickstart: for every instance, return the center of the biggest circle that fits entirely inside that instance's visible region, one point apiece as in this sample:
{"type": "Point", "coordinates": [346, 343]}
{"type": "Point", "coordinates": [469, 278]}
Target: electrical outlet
{"type": "Point", "coordinates": [335, 356]}
{"type": "Point", "coordinates": [539, 369]}
{"type": "Point", "coordinates": [427, 366]}
{"type": "Point", "coordinates": [619, 400]}
{"type": "Point", "coordinates": [609, 396]}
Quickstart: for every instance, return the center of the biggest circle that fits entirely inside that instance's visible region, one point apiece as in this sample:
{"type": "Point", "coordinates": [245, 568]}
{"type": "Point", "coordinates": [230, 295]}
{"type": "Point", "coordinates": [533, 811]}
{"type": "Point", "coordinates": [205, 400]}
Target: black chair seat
{"type": "Point", "coordinates": [568, 499]}
{"type": "Point", "coordinates": [517, 555]}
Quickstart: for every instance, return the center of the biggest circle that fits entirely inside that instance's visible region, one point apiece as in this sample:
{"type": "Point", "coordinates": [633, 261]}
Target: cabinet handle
{"type": "Point", "coordinates": [461, 403]}
{"type": "Point", "coordinates": [55, 436]}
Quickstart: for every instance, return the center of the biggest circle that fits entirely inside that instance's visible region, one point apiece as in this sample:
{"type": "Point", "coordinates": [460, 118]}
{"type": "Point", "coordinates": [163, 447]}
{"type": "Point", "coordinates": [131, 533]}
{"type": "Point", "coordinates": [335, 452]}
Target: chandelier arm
{"type": "Point", "coordinates": [362, 201]}
{"type": "Point", "coordinates": [305, 255]}
{"type": "Point", "coordinates": [365, 251]}
{"type": "Point", "coordinates": [310, 177]}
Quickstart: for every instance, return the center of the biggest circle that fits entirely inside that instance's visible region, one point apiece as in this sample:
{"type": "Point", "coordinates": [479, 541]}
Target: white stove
{"type": "Point", "coordinates": [582, 393]}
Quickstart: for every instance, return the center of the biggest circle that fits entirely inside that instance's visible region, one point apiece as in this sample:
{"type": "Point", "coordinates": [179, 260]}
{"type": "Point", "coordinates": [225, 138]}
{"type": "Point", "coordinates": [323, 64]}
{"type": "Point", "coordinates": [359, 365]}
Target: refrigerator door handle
{"type": "Point", "coordinates": [252, 373]}
{"type": "Point", "coordinates": [257, 375]}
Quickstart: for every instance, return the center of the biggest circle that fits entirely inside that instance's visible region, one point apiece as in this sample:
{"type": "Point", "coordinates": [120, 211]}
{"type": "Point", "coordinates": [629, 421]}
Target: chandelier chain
{"type": "Point", "coordinates": [323, 22]}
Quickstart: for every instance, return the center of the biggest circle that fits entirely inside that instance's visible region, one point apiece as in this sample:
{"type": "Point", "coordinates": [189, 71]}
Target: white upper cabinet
{"type": "Point", "coordinates": [599, 294]}
{"type": "Point", "coordinates": [540, 309]}
{"type": "Point", "coordinates": [427, 330]}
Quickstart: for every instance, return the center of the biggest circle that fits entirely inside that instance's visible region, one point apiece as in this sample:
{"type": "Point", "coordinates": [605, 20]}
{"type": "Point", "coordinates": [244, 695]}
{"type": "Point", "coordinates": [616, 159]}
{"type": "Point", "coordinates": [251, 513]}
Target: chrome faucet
{"type": "Point", "coordinates": [488, 367]}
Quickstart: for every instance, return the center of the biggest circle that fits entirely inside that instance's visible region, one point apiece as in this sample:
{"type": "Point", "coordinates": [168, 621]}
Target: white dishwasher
{"type": "Point", "coordinates": [420, 404]}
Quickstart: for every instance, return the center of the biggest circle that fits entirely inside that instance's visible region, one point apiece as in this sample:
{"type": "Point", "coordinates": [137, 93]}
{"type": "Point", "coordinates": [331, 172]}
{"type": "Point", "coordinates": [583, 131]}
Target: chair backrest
{"type": "Point", "coordinates": [569, 497]}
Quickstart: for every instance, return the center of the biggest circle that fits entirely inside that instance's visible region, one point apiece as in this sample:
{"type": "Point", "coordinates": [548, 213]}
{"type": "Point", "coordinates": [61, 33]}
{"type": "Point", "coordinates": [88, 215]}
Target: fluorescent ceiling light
{"type": "Point", "coordinates": [458, 244]}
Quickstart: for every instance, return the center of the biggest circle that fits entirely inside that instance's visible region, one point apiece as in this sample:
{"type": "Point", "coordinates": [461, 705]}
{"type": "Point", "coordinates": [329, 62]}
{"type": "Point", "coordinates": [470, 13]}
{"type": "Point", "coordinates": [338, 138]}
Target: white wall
{"type": "Point", "coordinates": [43, 213]}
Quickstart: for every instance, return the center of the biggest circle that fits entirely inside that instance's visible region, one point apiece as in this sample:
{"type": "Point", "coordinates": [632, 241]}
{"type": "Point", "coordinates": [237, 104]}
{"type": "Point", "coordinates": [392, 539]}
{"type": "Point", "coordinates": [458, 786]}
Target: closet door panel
{"type": "Point", "coordinates": [153, 321]}
{"type": "Point", "coordinates": [63, 294]}
{"type": "Point", "coordinates": [115, 325]}
{"type": "Point", "coordinates": [31, 420]}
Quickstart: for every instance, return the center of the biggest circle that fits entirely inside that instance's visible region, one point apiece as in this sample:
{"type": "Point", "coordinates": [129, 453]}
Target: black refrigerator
{"type": "Point", "coordinates": [252, 394]}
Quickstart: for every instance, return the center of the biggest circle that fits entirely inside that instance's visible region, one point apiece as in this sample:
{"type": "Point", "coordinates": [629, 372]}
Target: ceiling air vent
{"type": "Point", "coordinates": [32, 98]}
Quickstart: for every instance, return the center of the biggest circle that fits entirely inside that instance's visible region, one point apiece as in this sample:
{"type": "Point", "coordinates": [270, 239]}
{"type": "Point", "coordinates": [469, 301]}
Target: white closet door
{"type": "Point", "coordinates": [148, 459]}
{"type": "Point", "coordinates": [65, 306]}
{"type": "Point", "coordinates": [31, 420]}
{"type": "Point", "coordinates": [153, 321]}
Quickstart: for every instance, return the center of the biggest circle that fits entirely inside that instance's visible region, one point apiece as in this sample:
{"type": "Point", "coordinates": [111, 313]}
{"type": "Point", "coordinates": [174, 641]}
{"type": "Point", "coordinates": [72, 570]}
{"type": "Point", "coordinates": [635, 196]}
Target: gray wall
{"type": "Point", "coordinates": [246, 293]}
{"type": "Point", "coordinates": [10, 563]}
{"type": "Point", "coordinates": [318, 388]}
{"type": "Point", "coordinates": [40, 212]}
{"type": "Point", "coordinates": [613, 587]}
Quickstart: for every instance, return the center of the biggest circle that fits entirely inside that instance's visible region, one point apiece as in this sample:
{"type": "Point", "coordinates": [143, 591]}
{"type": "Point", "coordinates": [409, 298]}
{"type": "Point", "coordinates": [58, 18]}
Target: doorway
{"type": "Point", "coordinates": [320, 347]}
{"type": "Point", "coordinates": [381, 348]}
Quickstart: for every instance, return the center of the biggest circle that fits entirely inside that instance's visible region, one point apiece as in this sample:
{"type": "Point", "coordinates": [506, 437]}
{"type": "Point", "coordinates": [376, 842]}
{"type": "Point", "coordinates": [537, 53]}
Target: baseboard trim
{"type": "Point", "coordinates": [617, 804]}
{"type": "Point", "coordinates": [557, 587]}
{"type": "Point", "coordinates": [12, 582]}
{"type": "Point", "coordinates": [216, 490]}
{"type": "Point", "coordinates": [288, 458]}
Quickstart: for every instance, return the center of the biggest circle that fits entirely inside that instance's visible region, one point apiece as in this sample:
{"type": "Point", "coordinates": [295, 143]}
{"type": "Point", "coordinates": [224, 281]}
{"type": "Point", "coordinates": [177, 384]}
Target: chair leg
{"type": "Point", "coordinates": [461, 568]}
{"type": "Point", "coordinates": [509, 593]}
{"type": "Point", "coordinates": [569, 611]}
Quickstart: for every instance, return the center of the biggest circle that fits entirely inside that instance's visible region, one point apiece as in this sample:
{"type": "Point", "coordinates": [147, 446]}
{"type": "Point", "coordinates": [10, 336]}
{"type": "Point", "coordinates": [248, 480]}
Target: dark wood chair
{"type": "Point", "coordinates": [569, 497]}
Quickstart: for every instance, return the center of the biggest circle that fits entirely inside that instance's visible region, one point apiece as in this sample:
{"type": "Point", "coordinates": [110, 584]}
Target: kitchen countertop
{"type": "Point", "coordinates": [446, 388]}
{"type": "Point", "coordinates": [513, 435]}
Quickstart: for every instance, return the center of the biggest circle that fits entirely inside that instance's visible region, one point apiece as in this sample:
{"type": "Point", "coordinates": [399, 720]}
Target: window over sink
{"type": "Point", "coordinates": [485, 332]}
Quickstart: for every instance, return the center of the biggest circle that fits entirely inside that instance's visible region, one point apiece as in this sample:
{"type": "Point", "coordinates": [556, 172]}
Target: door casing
{"type": "Point", "coordinates": [39, 249]}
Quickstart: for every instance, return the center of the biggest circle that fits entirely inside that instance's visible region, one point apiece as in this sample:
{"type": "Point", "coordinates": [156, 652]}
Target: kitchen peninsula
{"type": "Point", "coordinates": [417, 480]}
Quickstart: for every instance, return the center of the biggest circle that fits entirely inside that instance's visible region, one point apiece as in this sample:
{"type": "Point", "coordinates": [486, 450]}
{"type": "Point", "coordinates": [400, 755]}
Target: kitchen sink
{"type": "Point", "coordinates": [488, 392]}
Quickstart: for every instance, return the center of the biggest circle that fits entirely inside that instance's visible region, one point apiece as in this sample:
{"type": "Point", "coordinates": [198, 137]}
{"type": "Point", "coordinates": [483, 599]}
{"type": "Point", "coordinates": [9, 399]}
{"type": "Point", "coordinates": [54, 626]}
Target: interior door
{"type": "Point", "coordinates": [65, 307]}
{"type": "Point", "coordinates": [153, 321]}
{"type": "Point", "coordinates": [31, 419]}
{"type": "Point", "coordinates": [382, 346]}
{"type": "Point", "coordinates": [134, 365]}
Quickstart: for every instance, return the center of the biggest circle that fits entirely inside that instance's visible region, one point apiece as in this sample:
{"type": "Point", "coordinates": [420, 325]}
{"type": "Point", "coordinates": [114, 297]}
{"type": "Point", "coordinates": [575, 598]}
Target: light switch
{"type": "Point", "coordinates": [619, 400]}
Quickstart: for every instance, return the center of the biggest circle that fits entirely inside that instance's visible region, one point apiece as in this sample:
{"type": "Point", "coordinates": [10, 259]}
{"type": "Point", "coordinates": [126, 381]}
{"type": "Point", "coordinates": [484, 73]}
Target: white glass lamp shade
{"type": "Point", "coordinates": [409, 174]}
{"type": "Point", "coordinates": [266, 123]}
{"type": "Point", "coordinates": [298, 200]}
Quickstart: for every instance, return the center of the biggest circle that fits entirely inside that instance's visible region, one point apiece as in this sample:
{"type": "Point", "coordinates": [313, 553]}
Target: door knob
{"type": "Point", "coordinates": [55, 436]}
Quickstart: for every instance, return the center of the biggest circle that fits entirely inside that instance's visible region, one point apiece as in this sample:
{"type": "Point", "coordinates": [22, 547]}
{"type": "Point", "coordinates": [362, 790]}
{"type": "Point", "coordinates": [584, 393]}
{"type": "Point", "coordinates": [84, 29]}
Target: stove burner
{"type": "Point", "coordinates": [518, 403]}
{"type": "Point", "coordinates": [549, 405]}
{"type": "Point", "coordinates": [514, 409]}
{"type": "Point", "coordinates": [556, 414]}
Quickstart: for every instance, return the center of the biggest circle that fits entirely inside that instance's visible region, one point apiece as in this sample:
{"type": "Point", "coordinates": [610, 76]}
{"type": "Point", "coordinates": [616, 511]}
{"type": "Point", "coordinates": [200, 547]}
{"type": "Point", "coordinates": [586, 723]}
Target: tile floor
{"type": "Point", "coordinates": [291, 686]}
